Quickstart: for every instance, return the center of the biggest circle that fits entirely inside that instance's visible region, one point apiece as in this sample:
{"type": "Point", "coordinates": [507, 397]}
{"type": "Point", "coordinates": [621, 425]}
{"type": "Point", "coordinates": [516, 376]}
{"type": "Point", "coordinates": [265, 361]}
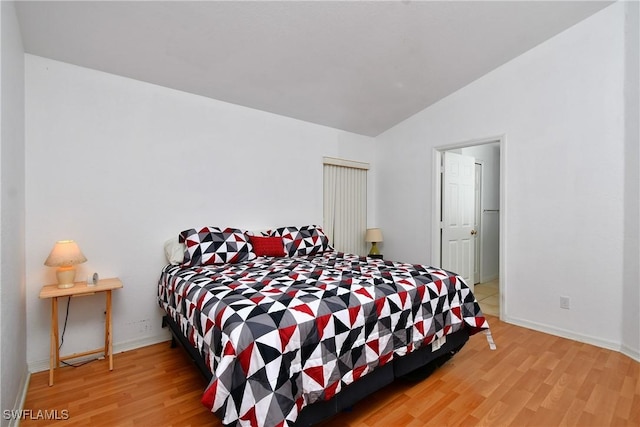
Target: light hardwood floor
{"type": "Point", "coordinates": [487, 294]}
{"type": "Point", "coordinates": [531, 379]}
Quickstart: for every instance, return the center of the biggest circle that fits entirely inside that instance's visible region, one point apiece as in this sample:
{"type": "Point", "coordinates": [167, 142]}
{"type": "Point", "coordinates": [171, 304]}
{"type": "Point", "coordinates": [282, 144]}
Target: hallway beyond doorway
{"type": "Point", "coordinates": [488, 298]}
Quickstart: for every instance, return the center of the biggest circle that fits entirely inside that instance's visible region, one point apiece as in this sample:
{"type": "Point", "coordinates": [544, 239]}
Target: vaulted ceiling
{"type": "Point", "coordinates": [352, 65]}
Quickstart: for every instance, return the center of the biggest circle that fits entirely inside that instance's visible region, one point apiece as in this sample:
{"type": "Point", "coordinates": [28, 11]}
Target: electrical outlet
{"type": "Point", "coordinates": [565, 303]}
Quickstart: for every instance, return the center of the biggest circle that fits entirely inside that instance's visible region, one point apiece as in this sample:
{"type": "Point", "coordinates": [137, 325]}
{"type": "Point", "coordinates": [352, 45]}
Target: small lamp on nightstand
{"type": "Point", "coordinates": [65, 255]}
{"type": "Point", "coordinates": [373, 236]}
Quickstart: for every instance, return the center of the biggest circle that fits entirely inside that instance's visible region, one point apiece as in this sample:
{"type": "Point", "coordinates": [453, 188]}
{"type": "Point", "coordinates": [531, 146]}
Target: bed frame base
{"type": "Point", "coordinates": [415, 366]}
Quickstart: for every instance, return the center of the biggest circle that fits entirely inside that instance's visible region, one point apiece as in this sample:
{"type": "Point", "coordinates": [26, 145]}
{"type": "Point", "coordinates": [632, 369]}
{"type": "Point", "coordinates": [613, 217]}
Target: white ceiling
{"type": "Point", "coordinates": [358, 66]}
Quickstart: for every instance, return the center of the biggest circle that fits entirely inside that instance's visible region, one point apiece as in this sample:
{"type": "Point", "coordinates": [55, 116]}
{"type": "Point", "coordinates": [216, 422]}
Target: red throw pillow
{"type": "Point", "coordinates": [267, 246]}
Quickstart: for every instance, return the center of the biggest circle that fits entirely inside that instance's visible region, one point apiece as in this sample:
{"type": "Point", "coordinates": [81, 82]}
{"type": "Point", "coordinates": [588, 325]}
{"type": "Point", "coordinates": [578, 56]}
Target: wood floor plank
{"type": "Point", "coordinates": [531, 379]}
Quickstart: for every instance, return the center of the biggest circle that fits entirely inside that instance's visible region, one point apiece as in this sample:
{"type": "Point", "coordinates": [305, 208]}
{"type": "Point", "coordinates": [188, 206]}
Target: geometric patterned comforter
{"type": "Point", "coordinates": [282, 333]}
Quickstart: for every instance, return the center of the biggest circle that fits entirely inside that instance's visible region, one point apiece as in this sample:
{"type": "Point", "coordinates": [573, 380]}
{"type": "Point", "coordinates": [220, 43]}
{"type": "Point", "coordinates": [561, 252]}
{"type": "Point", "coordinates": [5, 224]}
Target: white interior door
{"type": "Point", "coordinates": [458, 215]}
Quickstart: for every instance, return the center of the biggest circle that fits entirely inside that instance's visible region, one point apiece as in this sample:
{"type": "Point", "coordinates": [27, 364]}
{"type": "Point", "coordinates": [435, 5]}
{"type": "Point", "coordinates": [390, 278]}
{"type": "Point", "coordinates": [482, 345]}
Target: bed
{"type": "Point", "coordinates": [290, 331]}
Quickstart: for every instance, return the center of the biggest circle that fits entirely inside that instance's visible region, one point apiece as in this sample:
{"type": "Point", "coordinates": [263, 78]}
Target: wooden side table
{"type": "Point", "coordinates": [79, 289]}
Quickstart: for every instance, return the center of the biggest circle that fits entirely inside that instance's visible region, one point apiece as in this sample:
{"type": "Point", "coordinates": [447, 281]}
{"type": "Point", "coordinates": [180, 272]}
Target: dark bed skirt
{"type": "Point", "coordinates": [414, 366]}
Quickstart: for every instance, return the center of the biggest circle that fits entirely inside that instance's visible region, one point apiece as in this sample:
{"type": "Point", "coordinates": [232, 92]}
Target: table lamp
{"type": "Point", "coordinates": [373, 236]}
{"type": "Point", "coordinates": [65, 255]}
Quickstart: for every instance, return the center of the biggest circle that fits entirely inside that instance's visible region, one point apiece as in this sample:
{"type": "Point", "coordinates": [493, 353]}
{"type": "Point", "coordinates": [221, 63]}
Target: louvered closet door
{"type": "Point", "coordinates": [345, 205]}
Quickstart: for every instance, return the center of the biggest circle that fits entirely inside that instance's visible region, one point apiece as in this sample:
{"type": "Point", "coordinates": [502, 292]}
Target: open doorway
{"type": "Point", "coordinates": [488, 212]}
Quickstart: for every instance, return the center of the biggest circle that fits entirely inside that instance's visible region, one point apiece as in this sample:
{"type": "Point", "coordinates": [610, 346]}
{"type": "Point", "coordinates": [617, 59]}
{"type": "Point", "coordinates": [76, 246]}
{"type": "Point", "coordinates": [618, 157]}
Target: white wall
{"type": "Point", "coordinates": [13, 368]}
{"type": "Point", "coordinates": [560, 107]}
{"type": "Point", "coordinates": [120, 166]}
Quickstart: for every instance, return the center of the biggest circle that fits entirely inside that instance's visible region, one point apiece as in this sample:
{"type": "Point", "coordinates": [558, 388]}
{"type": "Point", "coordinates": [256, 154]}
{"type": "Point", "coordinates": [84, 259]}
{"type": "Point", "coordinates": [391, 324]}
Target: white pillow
{"type": "Point", "coordinates": [260, 233]}
{"type": "Point", "coordinates": [174, 251]}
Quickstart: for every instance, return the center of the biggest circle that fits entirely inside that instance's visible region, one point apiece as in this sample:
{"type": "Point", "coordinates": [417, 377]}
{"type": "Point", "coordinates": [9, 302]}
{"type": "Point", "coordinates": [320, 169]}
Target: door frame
{"type": "Point", "coordinates": [437, 208]}
{"type": "Point", "coordinates": [479, 222]}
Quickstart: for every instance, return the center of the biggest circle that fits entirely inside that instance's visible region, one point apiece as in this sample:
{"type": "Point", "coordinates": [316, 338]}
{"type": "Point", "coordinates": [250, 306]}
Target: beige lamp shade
{"type": "Point", "coordinates": [373, 235]}
{"type": "Point", "coordinates": [64, 255]}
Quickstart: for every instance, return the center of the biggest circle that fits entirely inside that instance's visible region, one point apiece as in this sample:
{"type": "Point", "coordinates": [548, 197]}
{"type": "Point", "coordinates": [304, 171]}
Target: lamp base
{"type": "Point", "coordinates": [374, 249]}
{"type": "Point", "coordinates": [66, 277]}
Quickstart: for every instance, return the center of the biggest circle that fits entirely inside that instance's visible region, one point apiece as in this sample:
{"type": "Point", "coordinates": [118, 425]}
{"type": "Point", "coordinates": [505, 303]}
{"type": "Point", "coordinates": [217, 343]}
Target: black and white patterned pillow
{"type": "Point", "coordinates": [212, 245]}
{"type": "Point", "coordinates": [306, 240]}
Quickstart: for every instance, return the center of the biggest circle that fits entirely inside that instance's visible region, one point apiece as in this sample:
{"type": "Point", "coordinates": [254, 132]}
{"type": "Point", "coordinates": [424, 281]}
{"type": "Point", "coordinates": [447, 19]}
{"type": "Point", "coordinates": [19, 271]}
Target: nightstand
{"type": "Point", "coordinates": [377, 256]}
{"type": "Point", "coordinates": [79, 289]}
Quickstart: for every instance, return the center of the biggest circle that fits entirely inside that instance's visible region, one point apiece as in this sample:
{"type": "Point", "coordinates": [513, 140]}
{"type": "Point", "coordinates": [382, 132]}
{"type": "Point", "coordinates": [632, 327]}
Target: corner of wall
{"type": "Point", "coordinates": [20, 397]}
{"type": "Point", "coordinates": [631, 258]}
{"type": "Point", "coordinates": [13, 365]}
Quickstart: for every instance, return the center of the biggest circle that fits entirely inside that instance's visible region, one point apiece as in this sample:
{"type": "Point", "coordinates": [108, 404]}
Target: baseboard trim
{"type": "Point", "coordinates": [165, 335]}
{"type": "Point", "coordinates": [21, 397]}
{"type": "Point", "coordinates": [633, 353]}
{"type": "Point", "coordinates": [490, 278]}
{"type": "Point", "coordinates": [563, 333]}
